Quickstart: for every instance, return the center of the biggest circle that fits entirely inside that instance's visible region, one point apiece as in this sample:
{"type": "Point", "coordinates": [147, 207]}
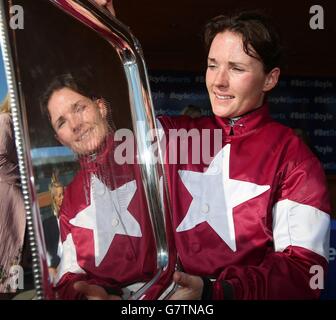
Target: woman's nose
{"type": "Point", "coordinates": [75, 123]}
{"type": "Point", "coordinates": [222, 79]}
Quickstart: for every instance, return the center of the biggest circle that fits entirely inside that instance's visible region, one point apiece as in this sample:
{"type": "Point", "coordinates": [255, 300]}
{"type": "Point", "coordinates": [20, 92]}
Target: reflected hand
{"type": "Point", "coordinates": [108, 4]}
{"type": "Point", "coordinates": [191, 287]}
{"type": "Point", "coordinates": [52, 274]}
{"type": "Point", "coordinates": [94, 292]}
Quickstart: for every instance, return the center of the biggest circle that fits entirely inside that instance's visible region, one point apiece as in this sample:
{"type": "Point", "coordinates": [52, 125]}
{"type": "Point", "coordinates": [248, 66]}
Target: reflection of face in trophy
{"type": "Point", "coordinates": [79, 121]}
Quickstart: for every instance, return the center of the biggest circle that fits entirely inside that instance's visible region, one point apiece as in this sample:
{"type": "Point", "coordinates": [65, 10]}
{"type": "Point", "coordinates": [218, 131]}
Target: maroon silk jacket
{"type": "Point", "coordinates": [105, 228]}
{"type": "Point", "coordinates": [255, 216]}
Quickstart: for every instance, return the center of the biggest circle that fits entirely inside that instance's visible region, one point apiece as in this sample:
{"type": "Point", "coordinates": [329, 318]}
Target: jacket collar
{"type": "Point", "coordinates": [246, 123]}
{"type": "Point", "coordinates": [94, 162]}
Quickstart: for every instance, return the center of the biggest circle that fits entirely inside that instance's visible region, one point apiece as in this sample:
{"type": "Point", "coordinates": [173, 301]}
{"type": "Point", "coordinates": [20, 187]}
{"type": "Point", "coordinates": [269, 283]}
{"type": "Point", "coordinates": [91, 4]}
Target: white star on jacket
{"type": "Point", "coordinates": [107, 215]}
{"type": "Point", "coordinates": [69, 259]}
{"type": "Point", "coordinates": [215, 195]}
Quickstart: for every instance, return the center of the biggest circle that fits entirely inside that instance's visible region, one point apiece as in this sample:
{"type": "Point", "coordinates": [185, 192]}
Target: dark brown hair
{"type": "Point", "coordinates": [63, 81]}
{"type": "Point", "coordinates": [79, 85]}
{"type": "Point", "coordinates": [259, 36]}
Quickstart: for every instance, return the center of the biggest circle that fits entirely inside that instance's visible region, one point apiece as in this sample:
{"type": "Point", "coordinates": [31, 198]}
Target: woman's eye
{"type": "Point", "coordinates": [211, 66]}
{"type": "Point", "coordinates": [237, 69]}
{"type": "Point", "coordinates": [80, 107]}
{"type": "Point", "coordinates": [60, 124]}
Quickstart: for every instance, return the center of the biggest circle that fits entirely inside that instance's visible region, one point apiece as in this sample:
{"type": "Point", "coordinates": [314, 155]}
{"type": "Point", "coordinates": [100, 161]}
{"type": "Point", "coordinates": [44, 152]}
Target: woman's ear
{"type": "Point", "coordinates": [102, 107]}
{"type": "Point", "coordinates": [271, 79]}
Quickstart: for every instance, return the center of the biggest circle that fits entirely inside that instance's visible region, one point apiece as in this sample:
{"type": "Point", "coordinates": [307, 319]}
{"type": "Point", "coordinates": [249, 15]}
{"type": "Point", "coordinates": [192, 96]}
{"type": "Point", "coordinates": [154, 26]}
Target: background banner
{"type": "Point", "coordinates": [305, 104]}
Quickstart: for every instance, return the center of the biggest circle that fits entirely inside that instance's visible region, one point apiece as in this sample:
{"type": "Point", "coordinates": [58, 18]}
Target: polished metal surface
{"type": "Point", "coordinates": [22, 145]}
{"type": "Point", "coordinates": [129, 51]}
{"type": "Point", "coordinates": [132, 59]}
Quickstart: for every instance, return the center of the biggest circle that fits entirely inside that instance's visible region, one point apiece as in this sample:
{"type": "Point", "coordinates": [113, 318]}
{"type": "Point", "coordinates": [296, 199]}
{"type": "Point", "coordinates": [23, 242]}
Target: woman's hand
{"type": "Point", "coordinates": [191, 287]}
{"type": "Point", "coordinates": [94, 292]}
{"type": "Point", "coordinates": [108, 4]}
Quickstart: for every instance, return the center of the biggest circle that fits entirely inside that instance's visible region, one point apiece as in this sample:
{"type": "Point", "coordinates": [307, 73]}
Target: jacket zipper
{"type": "Point", "coordinates": [231, 122]}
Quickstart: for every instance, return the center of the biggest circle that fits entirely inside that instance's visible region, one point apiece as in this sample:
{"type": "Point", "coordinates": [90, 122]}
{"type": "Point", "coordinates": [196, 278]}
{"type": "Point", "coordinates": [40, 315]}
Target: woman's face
{"type": "Point", "coordinates": [79, 122]}
{"type": "Point", "coordinates": [236, 82]}
{"type": "Point", "coordinates": [58, 196]}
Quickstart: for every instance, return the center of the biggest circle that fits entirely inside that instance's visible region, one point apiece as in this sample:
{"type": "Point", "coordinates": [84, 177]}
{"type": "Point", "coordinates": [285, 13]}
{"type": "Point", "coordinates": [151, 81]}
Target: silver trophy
{"type": "Point", "coordinates": [98, 185]}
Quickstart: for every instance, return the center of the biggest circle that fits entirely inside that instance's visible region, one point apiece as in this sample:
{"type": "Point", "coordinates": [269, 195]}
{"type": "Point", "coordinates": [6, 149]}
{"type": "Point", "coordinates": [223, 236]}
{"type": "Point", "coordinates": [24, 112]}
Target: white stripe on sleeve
{"type": "Point", "coordinates": [301, 225]}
